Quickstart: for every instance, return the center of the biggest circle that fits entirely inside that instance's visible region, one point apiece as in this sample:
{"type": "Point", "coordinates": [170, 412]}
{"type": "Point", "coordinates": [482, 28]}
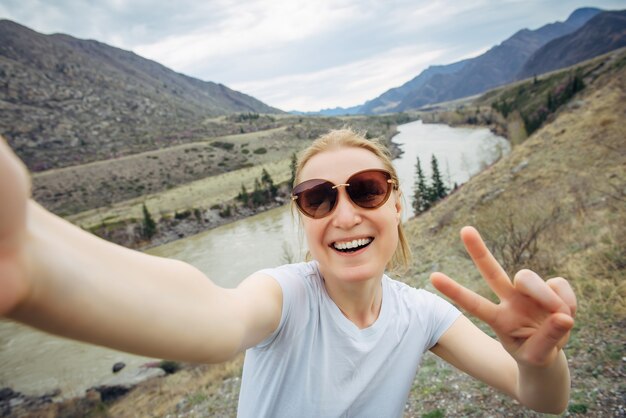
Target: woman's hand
{"type": "Point", "coordinates": [14, 193]}
{"type": "Point", "coordinates": [534, 317]}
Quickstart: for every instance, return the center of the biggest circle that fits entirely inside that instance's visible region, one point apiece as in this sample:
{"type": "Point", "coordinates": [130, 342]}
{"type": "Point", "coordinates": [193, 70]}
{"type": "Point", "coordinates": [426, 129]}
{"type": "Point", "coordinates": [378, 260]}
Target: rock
{"type": "Point", "coordinates": [576, 104]}
{"type": "Point", "coordinates": [118, 366]}
{"type": "Point", "coordinates": [8, 393]}
{"type": "Point", "coordinates": [119, 384]}
{"type": "Point", "coordinates": [491, 195]}
{"type": "Point", "coordinates": [132, 377]}
{"type": "Point", "coordinates": [111, 393]}
{"type": "Point", "coordinates": [519, 167]}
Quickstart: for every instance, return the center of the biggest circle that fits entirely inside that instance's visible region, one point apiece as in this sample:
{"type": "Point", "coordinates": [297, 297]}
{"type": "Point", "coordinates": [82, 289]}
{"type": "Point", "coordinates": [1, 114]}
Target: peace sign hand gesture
{"type": "Point", "coordinates": [534, 317]}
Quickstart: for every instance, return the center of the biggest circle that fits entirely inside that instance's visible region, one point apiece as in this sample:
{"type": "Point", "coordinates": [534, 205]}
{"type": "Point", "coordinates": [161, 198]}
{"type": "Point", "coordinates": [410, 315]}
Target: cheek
{"type": "Point", "coordinates": [312, 233]}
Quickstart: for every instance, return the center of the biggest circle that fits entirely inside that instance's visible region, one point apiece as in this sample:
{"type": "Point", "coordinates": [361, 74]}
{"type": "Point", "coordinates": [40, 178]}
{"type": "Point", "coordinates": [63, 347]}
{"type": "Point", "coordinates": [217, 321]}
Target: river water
{"type": "Point", "coordinates": [34, 363]}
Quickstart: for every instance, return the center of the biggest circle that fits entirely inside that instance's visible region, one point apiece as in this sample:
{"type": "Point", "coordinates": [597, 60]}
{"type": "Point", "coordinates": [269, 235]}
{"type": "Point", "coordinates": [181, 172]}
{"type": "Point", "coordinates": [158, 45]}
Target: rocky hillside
{"type": "Point", "coordinates": [65, 101]}
{"type": "Point", "coordinates": [603, 33]}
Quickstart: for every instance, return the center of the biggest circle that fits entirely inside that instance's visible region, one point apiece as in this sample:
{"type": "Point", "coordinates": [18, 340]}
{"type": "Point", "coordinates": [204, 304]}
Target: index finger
{"type": "Point", "coordinates": [480, 307]}
{"type": "Point", "coordinates": [489, 268]}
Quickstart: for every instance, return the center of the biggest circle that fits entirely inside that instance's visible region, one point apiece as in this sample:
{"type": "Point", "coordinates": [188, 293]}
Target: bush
{"type": "Point", "coordinates": [182, 215]}
{"type": "Point", "coordinates": [226, 212]}
{"type": "Point", "coordinates": [514, 234]}
{"type": "Point", "coordinates": [169, 366]}
{"type": "Point", "coordinates": [223, 145]}
{"type": "Point", "coordinates": [577, 408]}
{"type": "Point", "coordinates": [261, 150]}
{"type": "Point", "coordinates": [437, 413]}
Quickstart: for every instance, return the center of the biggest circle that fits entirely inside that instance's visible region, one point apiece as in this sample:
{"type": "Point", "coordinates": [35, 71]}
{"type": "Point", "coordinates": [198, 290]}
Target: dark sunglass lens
{"type": "Point", "coordinates": [369, 189]}
{"type": "Point", "coordinates": [316, 198]}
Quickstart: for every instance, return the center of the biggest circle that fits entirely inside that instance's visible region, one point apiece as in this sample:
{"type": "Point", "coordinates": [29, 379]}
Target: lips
{"type": "Point", "coordinates": [353, 245]}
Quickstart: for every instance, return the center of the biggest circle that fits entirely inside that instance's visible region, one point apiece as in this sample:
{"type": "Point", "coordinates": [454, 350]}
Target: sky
{"type": "Point", "coordinates": [302, 55]}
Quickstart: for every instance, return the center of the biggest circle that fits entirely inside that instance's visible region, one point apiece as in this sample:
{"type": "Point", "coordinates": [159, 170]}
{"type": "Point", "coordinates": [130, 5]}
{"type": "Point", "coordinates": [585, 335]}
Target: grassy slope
{"type": "Point", "coordinates": [575, 164]}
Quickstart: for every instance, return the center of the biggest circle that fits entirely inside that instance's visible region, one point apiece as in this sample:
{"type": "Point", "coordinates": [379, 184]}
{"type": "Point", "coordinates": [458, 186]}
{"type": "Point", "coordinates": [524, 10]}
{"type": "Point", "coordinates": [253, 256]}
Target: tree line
{"type": "Point", "coordinates": [425, 195]}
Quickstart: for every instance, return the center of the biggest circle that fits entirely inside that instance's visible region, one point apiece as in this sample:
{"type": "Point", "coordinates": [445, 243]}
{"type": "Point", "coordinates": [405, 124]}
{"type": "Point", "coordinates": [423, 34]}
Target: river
{"type": "Point", "coordinates": [33, 363]}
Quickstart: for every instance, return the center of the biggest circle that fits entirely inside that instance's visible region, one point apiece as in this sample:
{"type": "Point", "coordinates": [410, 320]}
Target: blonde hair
{"type": "Point", "coordinates": [347, 138]}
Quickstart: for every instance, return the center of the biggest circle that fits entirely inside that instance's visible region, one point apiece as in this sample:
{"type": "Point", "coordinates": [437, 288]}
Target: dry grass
{"type": "Point", "coordinates": [576, 164]}
{"type": "Point", "coordinates": [159, 397]}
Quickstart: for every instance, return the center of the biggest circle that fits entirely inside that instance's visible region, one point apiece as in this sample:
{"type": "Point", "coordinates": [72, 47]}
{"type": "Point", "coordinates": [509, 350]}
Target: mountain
{"type": "Point", "coordinates": [81, 100]}
{"type": "Point", "coordinates": [603, 33]}
{"type": "Point", "coordinates": [336, 111]}
{"type": "Point", "coordinates": [498, 66]}
{"type": "Point", "coordinates": [392, 98]}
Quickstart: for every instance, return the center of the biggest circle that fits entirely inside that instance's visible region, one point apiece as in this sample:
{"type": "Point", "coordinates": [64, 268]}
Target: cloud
{"type": "Point", "coordinates": [297, 53]}
{"type": "Point", "coordinates": [345, 85]}
{"type": "Point", "coordinates": [247, 28]}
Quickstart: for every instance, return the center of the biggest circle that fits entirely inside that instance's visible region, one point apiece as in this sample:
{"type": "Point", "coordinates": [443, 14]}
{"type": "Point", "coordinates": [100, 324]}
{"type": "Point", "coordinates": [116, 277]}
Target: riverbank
{"type": "Point", "coordinates": [184, 224]}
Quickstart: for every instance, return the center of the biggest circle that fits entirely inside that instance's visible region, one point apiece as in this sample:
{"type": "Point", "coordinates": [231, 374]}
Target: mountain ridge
{"type": "Point", "coordinates": [498, 66]}
{"type": "Point", "coordinates": [603, 33]}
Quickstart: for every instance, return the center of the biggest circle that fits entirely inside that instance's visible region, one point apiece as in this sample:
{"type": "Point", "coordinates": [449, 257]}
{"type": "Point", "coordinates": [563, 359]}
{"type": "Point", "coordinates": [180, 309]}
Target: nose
{"type": "Point", "coordinates": [346, 214]}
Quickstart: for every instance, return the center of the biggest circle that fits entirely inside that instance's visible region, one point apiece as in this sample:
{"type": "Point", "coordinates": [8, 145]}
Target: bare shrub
{"type": "Point", "coordinates": [514, 231]}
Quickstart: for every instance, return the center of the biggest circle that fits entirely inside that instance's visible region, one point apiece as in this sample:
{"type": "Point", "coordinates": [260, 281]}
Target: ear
{"type": "Point", "coordinates": [398, 206]}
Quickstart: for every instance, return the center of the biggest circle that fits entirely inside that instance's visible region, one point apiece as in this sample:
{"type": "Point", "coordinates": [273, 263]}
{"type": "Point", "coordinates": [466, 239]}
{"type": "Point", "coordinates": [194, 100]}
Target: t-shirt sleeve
{"type": "Point", "coordinates": [441, 315]}
{"type": "Point", "coordinates": [295, 300]}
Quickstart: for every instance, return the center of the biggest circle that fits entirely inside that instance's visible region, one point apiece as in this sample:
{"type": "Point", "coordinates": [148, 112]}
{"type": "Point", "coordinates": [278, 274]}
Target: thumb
{"type": "Point", "coordinates": [553, 334]}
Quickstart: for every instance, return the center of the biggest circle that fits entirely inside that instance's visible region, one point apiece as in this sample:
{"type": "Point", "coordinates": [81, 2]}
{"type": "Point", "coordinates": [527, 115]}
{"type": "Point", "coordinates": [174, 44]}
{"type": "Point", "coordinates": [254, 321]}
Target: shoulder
{"type": "Point", "coordinates": [416, 299]}
{"type": "Point", "coordinates": [406, 292]}
{"type": "Point", "coordinates": [291, 276]}
{"type": "Point", "coordinates": [299, 286]}
{"type": "Point", "coordinates": [302, 270]}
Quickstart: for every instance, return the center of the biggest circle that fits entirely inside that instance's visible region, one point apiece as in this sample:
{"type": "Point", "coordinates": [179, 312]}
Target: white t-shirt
{"type": "Point", "coordinates": [319, 364]}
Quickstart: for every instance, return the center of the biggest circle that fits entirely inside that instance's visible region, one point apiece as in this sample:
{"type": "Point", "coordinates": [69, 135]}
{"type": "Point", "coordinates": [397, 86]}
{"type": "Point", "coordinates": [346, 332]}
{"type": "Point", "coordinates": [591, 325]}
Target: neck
{"type": "Point", "coordinates": [360, 302]}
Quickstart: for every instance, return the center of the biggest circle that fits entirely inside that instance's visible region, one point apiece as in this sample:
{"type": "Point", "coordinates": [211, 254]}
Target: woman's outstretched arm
{"type": "Point", "coordinates": [532, 321]}
{"type": "Point", "coordinates": [61, 279]}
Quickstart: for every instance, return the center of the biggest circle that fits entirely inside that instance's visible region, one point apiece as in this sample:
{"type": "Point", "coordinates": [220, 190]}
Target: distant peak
{"type": "Point", "coordinates": [582, 15]}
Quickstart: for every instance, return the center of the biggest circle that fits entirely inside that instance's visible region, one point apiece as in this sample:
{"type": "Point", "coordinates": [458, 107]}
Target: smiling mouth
{"type": "Point", "coordinates": [352, 246]}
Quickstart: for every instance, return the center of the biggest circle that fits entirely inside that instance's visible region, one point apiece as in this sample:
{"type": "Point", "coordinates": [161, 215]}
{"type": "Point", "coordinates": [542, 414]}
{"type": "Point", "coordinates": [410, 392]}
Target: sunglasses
{"type": "Point", "coordinates": [368, 189]}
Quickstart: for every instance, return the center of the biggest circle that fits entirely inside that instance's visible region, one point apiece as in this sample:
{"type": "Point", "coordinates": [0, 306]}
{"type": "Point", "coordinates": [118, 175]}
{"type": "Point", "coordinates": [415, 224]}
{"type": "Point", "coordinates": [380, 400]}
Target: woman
{"type": "Point", "coordinates": [331, 337]}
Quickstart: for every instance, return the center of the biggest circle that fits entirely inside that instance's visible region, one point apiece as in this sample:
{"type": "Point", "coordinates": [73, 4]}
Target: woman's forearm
{"type": "Point", "coordinates": [88, 289]}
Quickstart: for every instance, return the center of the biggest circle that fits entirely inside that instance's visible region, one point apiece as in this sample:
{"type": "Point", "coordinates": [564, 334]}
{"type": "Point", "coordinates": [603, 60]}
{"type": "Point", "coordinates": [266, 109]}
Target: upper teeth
{"type": "Point", "coordinates": [352, 244]}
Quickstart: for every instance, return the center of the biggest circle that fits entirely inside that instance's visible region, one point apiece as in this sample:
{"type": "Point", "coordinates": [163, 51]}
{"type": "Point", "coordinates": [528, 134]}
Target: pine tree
{"type": "Point", "coordinates": [420, 193]}
{"type": "Point", "coordinates": [268, 184]}
{"type": "Point", "coordinates": [149, 226]}
{"type": "Point", "coordinates": [438, 189]}
{"type": "Point", "coordinates": [257, 195]}
{"type": "Point", "coordinates": [243, 195]}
